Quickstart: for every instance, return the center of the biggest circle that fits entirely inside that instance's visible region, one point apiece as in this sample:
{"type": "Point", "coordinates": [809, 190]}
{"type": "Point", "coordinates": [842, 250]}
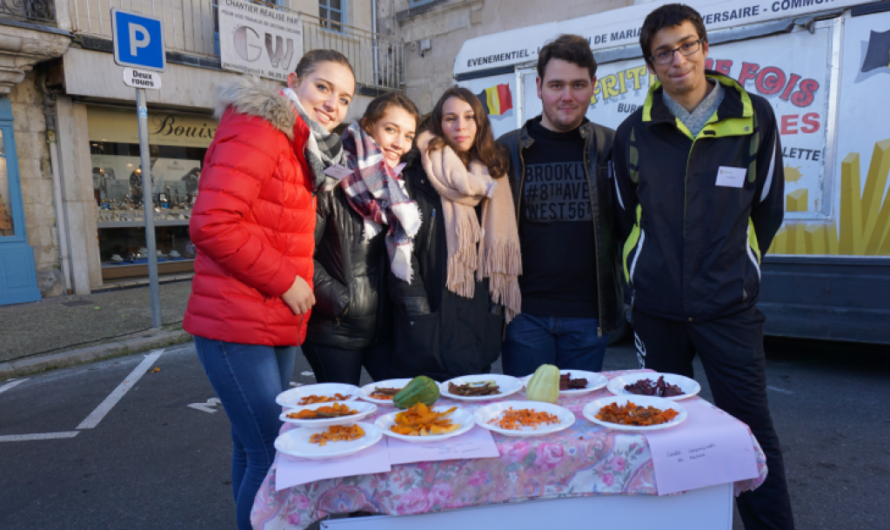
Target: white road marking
{"type": "Point", "coordinates": [207, 406]}
{"type": "Point", "coordinates": [105, 407]}
{"type": "Point", "coordinates": [295, 384]}
{"type": "Point", "coordinates": [40, 436]}
{"type": "Point", "coordinates": [11, 384]}
{"type": "Point", "coordinates": [308, 374]}
{"type": "Point", "coordinates": [782, 390]}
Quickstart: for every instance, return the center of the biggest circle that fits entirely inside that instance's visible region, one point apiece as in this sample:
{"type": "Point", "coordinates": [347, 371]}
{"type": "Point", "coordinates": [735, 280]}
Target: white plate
{"type": "Point", "coordinates": [462, 417]}
{"type": "Point", "coordinates": [364, 410]}
{"type": "Point", "coordinates": [366, 391]}
{"type": "Point", "coordinates": [592, 409]}
{"type": "Point", "coordinates": [295, 442]}
{"type": "Point", "coordinates": [595, 381]}
{"type": "Point", "coordinates": [690, 387]}
{"type": "Point", "coordinates": [507, 385]}
{"type": "Point", "coordinates": [291, 398]}
{"type": "Point", "coordinates": [487, 413]}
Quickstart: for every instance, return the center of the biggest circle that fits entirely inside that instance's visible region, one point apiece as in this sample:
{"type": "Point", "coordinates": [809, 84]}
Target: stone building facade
{"type": "Point", "coordinates": [73, 124]}
{"type": "Point", "coordinates": [35, 173]}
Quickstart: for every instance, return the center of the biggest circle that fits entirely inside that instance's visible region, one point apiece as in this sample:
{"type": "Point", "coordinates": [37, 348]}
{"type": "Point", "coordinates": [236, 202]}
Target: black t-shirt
{"type": "Point", "coordinates": [556, 228]}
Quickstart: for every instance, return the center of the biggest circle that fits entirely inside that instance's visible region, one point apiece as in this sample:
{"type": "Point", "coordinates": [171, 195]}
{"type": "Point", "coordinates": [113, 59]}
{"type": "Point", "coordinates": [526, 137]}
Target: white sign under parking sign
{"type": "Point", "coordinates": [142, 79]}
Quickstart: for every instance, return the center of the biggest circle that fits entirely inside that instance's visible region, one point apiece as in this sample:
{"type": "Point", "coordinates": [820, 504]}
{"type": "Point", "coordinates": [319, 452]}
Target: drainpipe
{"type": "Point", "coordinates": [49, 112]}
{"type": "Point", "coordinates": [374, 47]}
{"type": "Point", "coordinates": [61, 223]}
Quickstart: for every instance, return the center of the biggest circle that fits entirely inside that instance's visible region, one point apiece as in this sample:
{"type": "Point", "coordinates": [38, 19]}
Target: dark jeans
{"type": "Point", "coordinates": [336, 365]}
{"type": "Point", "coordinates": [569, 343]}
{"type": "Point", "coordinates": [246, 378]}
{"type": "Point", "coordinates": [731, 350]}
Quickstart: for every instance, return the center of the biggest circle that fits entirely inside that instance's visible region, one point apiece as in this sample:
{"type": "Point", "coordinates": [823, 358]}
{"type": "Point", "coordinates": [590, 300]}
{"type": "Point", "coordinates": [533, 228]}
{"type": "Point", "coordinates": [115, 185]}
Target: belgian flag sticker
{"type": "Point", "coordinates": [496, 100]}
{"type": "Point", "coordinates": [878, 53]}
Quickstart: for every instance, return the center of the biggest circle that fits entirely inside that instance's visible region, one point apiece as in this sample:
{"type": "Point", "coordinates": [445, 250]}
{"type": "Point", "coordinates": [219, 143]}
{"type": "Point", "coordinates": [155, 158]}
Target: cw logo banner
{"type": "Point", "coordinates": [496, 100]}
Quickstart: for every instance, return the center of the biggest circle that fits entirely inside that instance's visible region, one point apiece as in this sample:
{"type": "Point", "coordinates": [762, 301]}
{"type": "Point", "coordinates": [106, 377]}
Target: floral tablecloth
{"type": "Point", "coordinates": [584, 460]}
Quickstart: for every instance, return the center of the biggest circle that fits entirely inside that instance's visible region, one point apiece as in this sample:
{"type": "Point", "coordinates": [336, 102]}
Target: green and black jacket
{"type": "Point", "coordinates": [692, 249]}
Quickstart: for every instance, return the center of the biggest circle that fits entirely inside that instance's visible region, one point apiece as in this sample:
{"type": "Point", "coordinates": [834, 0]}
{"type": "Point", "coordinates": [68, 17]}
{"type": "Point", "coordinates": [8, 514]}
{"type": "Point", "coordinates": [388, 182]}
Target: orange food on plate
{"type": "Point", "coordinates": [331, 411]}
{"type": "Point", "coordinates": [632, 414]}
{"type": "Point", "coordinates": [516, 419]}
{"type": "Point", "coordinates": [313, 399]}
{"type": "Point", "coordinates": [420, 420]}
{"type": "Point", "coordinates": [337, 433]}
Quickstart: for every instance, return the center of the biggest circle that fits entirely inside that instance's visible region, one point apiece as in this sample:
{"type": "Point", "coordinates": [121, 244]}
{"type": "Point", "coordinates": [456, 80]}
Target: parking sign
{"type": "Point", "coordinates": [138, 40]}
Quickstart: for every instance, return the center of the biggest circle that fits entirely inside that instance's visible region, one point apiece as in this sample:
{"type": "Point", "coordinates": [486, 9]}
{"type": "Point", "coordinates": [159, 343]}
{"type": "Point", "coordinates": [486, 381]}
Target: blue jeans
{"type": "Point", "coordinates": [569, 343]}
{"type": "Point", "coordinates": [246, 378]}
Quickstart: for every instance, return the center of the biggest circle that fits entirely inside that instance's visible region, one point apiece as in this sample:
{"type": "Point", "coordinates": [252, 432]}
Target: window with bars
{"type": "Point", "coordinates": [332, 14]}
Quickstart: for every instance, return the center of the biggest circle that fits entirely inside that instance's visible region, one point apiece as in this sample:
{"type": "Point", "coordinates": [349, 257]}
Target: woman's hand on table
{"type": "Point", "coordinates": [299, 298]}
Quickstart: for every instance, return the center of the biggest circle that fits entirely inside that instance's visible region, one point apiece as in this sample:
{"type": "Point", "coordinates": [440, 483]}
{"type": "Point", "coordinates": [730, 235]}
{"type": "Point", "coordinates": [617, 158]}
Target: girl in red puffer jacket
{"type": "Point", "coordinates": [253, 225]}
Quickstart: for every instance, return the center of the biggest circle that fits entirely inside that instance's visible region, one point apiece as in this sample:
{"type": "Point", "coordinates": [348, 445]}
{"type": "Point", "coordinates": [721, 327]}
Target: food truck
{"type": "Point", "coordinates": [824, 65]}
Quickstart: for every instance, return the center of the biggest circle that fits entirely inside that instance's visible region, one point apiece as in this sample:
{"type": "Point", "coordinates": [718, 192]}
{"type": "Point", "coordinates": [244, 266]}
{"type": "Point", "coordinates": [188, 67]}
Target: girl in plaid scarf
{"type": "Point", "coordinates": [365, 228]}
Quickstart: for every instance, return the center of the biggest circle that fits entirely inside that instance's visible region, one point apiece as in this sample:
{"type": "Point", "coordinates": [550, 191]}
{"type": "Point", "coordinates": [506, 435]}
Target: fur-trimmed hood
{"type": "Point", "coordinates": [249, 95]}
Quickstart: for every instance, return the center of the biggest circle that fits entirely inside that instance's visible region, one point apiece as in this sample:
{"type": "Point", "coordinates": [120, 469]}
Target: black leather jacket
{"type": "Point", "coordinates": [352, 310]}
{"type": "Point", "coordinates": [598, 143]}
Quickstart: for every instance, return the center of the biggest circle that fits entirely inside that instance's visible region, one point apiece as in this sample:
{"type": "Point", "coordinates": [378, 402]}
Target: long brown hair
{"type": "Point", "coordinates": [484, 149]}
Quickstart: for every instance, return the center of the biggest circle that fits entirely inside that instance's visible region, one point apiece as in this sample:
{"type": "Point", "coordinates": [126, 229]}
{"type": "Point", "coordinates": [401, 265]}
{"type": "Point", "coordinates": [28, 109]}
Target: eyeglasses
{"type": "Point", "coordinates": [686, 49]}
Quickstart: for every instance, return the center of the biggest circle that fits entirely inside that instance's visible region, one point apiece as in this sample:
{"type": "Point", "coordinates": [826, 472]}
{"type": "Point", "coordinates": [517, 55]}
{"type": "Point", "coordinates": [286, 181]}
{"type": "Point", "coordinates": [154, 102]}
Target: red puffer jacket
{"type": "Point", "coordinates": [253, 222]}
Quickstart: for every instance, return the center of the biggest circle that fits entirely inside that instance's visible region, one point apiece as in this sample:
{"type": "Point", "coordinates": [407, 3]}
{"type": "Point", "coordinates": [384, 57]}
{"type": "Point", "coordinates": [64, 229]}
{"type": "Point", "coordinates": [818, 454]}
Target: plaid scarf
{"type": "Point", "coordinates": [378, 195]}
{"type": "Point", "coordinates": [322, 150]}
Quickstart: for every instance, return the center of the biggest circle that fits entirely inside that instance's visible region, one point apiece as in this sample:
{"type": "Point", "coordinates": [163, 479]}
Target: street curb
{"type": "Point", "coordinates": [42, 363]}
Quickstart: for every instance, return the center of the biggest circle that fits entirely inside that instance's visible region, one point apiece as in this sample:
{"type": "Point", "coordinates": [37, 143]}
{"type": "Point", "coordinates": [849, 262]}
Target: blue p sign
{"type": "Point", "coordinates": [138, 40]}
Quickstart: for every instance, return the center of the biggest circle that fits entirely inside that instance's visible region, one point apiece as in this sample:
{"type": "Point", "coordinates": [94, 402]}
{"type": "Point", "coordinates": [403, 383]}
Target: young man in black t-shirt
{"type": "Point", "coordinates": [570, 291]}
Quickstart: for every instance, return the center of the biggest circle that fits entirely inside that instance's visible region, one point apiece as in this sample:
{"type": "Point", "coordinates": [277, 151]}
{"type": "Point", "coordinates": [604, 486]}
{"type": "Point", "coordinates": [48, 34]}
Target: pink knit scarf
{"type": "Point", "coordinates": [476, 252]}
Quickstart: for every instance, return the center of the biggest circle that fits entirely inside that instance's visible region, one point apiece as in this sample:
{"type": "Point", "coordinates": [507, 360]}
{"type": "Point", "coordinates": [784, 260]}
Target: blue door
{"type": "Point", "coordinates": [18, 276]}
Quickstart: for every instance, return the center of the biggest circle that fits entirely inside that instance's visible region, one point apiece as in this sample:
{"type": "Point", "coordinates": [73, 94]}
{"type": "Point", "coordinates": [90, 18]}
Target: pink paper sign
{"type": "Point", "coordinates": [709, 448]}
{"type": "Point", "coordinates": [293, 471]}
{"type": "Point", "coordinates": [475, 443]}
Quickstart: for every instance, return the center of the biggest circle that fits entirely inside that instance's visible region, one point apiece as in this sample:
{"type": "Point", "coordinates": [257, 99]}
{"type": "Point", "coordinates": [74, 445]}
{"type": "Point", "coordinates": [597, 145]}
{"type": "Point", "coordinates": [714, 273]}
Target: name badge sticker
{"type": "Point", "coordinates": [731, 177]}
{"type": "Point", "coordinates": [337, 171]}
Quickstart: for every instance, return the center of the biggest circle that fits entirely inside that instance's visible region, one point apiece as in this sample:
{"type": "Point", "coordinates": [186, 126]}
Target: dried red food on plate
{"type": "Point", "coordinates": [567, 383]}
{"type": "Point", "coordinates": [647, 387]}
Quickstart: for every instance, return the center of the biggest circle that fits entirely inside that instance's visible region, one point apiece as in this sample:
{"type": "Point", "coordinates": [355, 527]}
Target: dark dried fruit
{"type": "Point", "coordinates": [567, 383]}
{"type": "Point", "coordinates": [647, 387]}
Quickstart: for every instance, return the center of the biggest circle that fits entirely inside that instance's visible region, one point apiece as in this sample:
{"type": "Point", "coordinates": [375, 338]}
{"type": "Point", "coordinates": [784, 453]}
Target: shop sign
{"type": "Point", "coordinates": [142, 79]}
{"type": "Point", "coordinates": [256, 40]}
{"type": "Point", "coordinates": [107, 124]}
{"type": "Point", "coordinates": [795, 83]}
{"type": "Point", "coordinates": [621, 27]}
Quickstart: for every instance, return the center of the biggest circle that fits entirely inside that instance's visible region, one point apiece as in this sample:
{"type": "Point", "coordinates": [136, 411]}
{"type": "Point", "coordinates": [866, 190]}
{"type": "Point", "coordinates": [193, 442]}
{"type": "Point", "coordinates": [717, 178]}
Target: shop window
{"type": "Point", "coordinates": [6, 221]}
{"type": "Point", "coordinates": [177, 146]}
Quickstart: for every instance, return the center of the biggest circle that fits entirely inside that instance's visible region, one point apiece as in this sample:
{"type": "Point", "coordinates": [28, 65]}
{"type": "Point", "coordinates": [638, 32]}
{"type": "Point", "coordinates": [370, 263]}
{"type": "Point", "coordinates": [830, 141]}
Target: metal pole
{"type": "Point", "coordinates": [148, 208]}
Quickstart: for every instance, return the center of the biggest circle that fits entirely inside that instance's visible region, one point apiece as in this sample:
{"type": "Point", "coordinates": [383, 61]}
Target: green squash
{"type": "Point", "coordinates": [421, 389]}
{"type": "Point", "coordinates": [544, 385]}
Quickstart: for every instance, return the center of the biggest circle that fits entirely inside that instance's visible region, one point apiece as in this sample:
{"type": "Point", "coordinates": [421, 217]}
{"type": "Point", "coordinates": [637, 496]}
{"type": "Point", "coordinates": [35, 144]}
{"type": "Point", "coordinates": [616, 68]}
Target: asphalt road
{"type": "Point", "coordinates": [159, 458]}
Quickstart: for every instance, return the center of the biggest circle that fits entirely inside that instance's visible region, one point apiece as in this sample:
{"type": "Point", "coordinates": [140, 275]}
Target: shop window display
{"type": "Point", "coordinates": [177, 145]}
{"type": "Point", "coordinates": [117, 186]}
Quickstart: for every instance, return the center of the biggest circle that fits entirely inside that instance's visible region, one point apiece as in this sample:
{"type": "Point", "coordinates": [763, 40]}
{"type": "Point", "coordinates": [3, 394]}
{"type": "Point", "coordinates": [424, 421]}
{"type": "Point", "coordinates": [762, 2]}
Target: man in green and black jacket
{"type": "Point", "coordinates": [699, 190]}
